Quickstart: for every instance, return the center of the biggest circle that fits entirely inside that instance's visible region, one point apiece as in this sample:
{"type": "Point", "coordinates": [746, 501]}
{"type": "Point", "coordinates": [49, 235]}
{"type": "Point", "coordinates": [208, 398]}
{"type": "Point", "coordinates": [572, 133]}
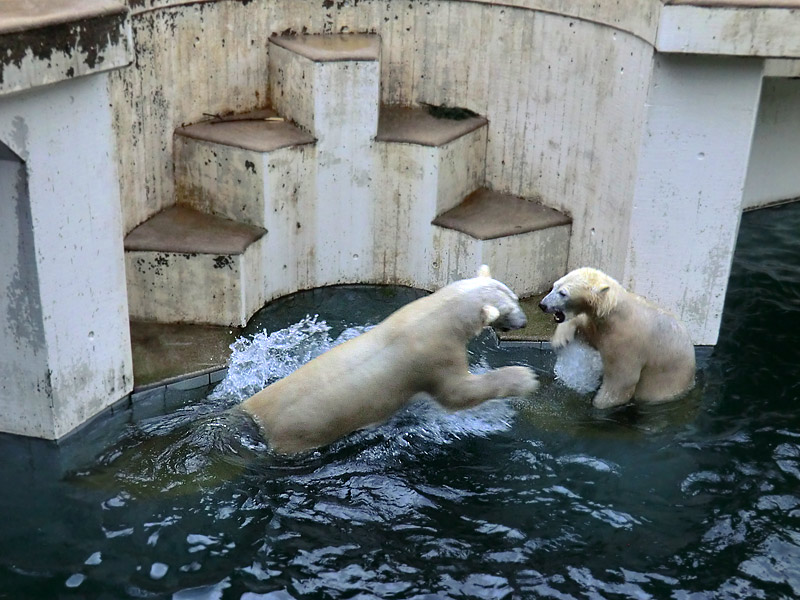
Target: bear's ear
{"type": "Point", "coordinates": [601, 289]}
{"type": "Point", "coordinates": [489, 314]}
{"type": "Point", "coordinates": [484, 271]}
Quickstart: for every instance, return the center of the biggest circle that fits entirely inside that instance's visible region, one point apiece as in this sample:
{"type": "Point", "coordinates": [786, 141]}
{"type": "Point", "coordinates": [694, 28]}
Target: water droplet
{"type": "Point", "coordinates": [75, 580]}
{"type": "Point", "coordinates": [158, 570]}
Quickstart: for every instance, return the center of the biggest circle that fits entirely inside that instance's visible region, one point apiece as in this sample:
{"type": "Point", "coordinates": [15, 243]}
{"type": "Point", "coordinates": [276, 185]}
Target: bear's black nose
{"type": "Point", "coordinates": [543, 306]}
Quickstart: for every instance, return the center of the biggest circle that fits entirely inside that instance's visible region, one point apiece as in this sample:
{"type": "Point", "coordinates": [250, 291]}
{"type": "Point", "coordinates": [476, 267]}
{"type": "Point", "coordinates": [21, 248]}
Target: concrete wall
{"type": "Point", "coordinates": [64, 338]}
{"type": "Point", "coordinates": [773, 174]}
{"type": "Point", "coordinates": [564, 95]}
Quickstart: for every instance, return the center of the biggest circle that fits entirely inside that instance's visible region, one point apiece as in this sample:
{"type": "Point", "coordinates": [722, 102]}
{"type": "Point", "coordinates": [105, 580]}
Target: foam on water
{"type": "Point", "coordinates": [579, 367]}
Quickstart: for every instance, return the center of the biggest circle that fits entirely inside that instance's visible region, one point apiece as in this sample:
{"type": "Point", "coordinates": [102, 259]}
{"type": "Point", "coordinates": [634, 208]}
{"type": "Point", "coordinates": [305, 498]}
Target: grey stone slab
{"type": "Point", "coordinates": [260, 131]}
{"type": "Point", "coordinates": [486, 215]}
{"type": "Point", "coordinates": [331, 48]}
{"type": "Point", "coordinates": [185, 230]}
{"type": "Point", "coordinates": [415, 125]}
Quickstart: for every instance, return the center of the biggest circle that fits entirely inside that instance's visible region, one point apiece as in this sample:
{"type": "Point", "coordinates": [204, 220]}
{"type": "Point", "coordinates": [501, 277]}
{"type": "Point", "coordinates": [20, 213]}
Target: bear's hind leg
{"type": "Point", "coordinates": [467, 390]}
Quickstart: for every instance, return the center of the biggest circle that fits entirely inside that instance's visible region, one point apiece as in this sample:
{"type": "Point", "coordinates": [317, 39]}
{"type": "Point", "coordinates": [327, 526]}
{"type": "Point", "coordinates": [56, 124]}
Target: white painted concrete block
{"type": "Point", "coordinates": [528, 263]}
{"type": "Point", "coordinates": [64, 337]}
{"type": "Point", "coordinates": [688, 198]}
{"type": "Point", "coordinates": [171, 287]}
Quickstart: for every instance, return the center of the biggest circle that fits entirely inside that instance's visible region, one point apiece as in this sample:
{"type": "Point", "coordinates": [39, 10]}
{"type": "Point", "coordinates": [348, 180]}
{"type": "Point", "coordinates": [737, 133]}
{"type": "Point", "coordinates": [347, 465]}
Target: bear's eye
{"type": "Point", "coordinates": [562, 293]}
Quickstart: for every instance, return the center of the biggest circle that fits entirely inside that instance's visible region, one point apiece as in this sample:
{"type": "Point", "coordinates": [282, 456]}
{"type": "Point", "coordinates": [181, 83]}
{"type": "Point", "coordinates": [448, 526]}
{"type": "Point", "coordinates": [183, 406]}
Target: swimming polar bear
{"type": "Point", "coordinates": [420, 348]}
{"type": "Point", "coordinates": [647, 353]}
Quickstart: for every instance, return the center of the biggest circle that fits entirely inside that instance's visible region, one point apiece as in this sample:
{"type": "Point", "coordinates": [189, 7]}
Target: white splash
{"type": "Point", "coordinates": [579, 367]}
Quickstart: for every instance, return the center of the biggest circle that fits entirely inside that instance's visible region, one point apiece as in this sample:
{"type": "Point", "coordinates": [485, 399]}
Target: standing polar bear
{"type": "Point", "coordinates": [421, 348]}
{"type": "Point", "coordinates": [647, 354]}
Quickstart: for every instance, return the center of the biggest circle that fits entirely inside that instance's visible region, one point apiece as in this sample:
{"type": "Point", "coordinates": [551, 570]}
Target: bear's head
{"type": "Point", "coordinates": [500, 308]}
{"type": "Point", "coordinates": [584, 290]}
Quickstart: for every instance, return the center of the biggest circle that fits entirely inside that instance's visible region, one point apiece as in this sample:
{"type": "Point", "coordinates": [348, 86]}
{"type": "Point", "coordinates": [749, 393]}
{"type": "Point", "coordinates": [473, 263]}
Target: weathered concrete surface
{"type": "Point", "coordinates": [416, 125]}
{"type": "Point", "coordinates": [761, 29]}
{"type": "Point", "coordinates": [525, 243]}
{"type": "Point", "coordinates": [773, 172]}
{"type": "Point", "coordinates": [259, 130]}
{"type": "Point", "coordinates": [181, 229]}
{"type": "Point", "coordinates": [419, 181]}
{"type": "Point", "coordinates": [486, 215]}
{"type": "Point", "coordinates": [245, 170]}
{"type": "Point", "coordinates": [688, 201]}
{"type": "Point", "coordinates": [528, 263]}
{"type": "Point", "coordinates": [184, 266]}
{"type": "Point", "coordinates": [332, 48]}
{"type": "Point", "coordinates": [46, 41]}
{"type": "Point", "coordinates": [64, 339]}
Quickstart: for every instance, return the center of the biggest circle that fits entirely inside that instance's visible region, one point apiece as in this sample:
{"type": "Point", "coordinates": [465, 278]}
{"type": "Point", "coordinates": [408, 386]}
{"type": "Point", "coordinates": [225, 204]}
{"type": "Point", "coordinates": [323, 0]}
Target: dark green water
{"type": "Point", "coordinates": [697, 499]}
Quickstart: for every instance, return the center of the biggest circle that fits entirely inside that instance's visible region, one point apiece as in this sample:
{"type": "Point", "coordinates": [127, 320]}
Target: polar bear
{"type": "Point", "coordinates": [647, 353]}
{"type": "Point", "coordinates": [420, 348]}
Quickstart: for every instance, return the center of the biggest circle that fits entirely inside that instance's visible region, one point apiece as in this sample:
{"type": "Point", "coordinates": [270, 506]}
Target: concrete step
{"type": "Point", "coordinates": [243, 167]}
{"type": "Point", "coordinates": [448, 154]}
{"type": "Point", "coordinates": [309, 76]}
{"type": "Point", "coordinates": [525, 243]}
{"type": "Point", "coordinates": [427, 165]}
{"type": "Point", "coordinates": [185, 266]}
{"type": "Point", "coordinates": [329, 85]}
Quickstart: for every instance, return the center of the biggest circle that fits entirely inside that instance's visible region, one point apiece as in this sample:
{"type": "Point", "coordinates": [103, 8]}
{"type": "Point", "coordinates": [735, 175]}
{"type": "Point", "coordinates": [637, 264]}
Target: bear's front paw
{"type": "Point", "coordinates": [520, 381]}
{"type": "Point", "coordinates": [563, 335]}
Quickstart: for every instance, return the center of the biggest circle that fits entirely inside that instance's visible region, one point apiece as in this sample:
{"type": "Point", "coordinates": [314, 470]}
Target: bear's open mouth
{"type": "Point", "coordinates": [559, 317]}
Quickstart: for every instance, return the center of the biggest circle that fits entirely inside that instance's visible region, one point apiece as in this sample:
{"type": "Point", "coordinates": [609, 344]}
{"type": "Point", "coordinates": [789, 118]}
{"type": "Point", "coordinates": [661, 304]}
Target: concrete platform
{"type": "Point", "coordinates": [416, 125]}
{"type": "Point", "coordinates": [183, 229]}
{"type": "Point", "coordinates": [184, 266]}
{"type": "Point", "coordinates": [260, 130]}
{"type": "Point", "coordinates": [487, 215]}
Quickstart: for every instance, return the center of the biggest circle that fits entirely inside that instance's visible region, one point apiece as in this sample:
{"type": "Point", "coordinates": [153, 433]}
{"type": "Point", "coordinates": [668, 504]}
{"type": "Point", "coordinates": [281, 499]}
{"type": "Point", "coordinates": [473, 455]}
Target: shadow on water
{"type": "Point", "coordinates": [545, 497]}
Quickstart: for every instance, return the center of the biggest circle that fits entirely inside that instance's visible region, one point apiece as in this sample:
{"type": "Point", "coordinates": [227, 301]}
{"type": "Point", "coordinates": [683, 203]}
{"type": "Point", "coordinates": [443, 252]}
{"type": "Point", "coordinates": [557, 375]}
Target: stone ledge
{"type": "Point", "coordinates": [415, 125]}
{"type": "Point", "coordinates": [486, 215]}
{"type": "Point", "coordinates": [186, 230]}
{"type": "Point", "coordinates": [20, 15]}
{"type": "Point", "coordinates": [47, 42]}
{"type": "Point", "coordinates": [332, 48]}
{"type": "Point", "coordinates": [260, 131]}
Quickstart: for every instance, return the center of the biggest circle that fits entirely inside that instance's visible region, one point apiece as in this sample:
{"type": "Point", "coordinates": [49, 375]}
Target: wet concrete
{"type": "Point", "coordinates": [164, 352]}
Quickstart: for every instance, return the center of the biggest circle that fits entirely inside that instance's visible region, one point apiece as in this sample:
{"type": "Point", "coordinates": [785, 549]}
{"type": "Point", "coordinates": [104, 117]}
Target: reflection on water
{"type": "Point", "coordinates": [542, 498]}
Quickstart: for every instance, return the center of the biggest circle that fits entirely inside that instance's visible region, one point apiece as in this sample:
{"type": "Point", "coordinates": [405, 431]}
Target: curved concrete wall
{"type": "Point", "coordinates": [563, 87]}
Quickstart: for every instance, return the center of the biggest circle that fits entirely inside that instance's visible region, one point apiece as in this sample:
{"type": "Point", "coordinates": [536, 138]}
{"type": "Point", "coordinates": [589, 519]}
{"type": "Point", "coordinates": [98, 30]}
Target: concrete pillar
{"type": "Point", "coordinates": [688, 196]}
{"type": "Point", "coordinates": [64, 335]}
